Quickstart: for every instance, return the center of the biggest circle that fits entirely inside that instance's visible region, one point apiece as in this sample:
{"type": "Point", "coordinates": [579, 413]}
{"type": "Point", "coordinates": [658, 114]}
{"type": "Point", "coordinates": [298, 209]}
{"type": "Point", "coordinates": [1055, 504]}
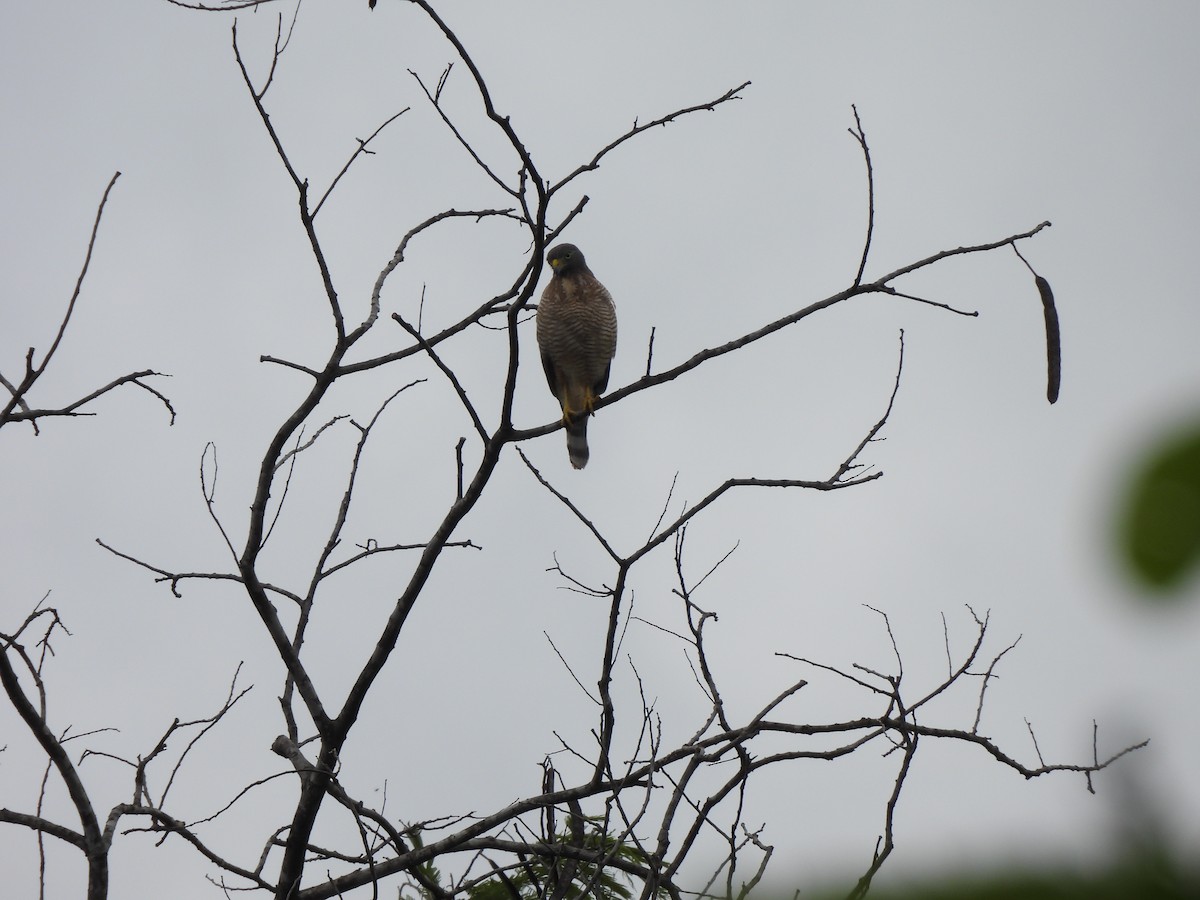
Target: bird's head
{"type": "Point", "coordinates": [565, 258]}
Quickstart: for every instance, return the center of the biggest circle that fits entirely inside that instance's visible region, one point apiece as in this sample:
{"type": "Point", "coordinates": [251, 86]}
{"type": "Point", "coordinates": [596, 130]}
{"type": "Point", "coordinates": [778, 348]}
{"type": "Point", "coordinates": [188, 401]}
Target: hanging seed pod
{"type": "Point", "coordinates": [1053, 340]}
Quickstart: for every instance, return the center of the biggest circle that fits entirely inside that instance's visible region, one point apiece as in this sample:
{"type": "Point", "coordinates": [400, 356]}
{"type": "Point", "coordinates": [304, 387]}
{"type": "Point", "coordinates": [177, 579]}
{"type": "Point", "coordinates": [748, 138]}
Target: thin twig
{"type": "Point", "coordinates": [861, 136]}
{"type": "Point", "coordinates": [360, 151]}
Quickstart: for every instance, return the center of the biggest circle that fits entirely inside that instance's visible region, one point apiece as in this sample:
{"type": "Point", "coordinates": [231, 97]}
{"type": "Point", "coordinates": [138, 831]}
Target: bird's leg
{"type": "Point", "coordinates": [569, 415]}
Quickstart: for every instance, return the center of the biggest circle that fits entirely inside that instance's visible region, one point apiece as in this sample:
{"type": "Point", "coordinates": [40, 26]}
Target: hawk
{"type": "Point", "coordinates": [577, 337]}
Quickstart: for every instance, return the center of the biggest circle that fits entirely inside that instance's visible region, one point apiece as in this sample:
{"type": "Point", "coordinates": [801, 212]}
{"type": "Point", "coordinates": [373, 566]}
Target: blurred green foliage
{"type": "Point", "coordinates": [1159, 526]}
{"type": "Point", "coordinates": [1148, 877]}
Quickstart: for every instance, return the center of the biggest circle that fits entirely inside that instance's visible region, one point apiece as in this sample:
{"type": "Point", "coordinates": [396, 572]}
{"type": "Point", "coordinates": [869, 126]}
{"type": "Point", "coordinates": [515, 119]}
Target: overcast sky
{"type": "Point", "coordinates": [983, 121]}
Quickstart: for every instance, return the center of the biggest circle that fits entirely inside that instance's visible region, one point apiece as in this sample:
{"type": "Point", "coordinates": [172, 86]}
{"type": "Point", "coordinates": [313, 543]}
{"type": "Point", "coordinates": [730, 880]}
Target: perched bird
{"type": "Point", "coordinates": [577, 337]}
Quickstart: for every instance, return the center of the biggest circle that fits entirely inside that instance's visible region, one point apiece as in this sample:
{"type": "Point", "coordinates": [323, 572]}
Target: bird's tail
{"type": "Point", "coordinates": [577, 446]}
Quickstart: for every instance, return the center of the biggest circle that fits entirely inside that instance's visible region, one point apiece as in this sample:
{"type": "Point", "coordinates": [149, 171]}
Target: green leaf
{"type": "Point", "coordinates": [492, 889]}
{"type": "Point", "coordinates": [606, 884]}
{"type": "Point", "coordinates": [1160, 527]}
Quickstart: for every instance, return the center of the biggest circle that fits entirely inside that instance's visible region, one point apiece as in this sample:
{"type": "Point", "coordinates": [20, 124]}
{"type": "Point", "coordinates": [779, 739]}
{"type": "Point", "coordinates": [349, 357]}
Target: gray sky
{"type": "Point", "coordinates": [983, 121]}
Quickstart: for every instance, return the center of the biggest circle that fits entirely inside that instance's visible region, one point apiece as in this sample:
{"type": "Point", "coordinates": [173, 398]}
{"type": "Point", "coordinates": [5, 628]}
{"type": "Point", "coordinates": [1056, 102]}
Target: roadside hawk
{"type": "Point", "coordinates": [577, 337]}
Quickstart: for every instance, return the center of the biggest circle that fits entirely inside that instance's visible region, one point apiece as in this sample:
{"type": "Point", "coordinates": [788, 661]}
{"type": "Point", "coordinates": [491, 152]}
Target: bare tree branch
{"type": "Point", "coordinates": [94, 845]}
{"type": "Point", "coordinates": [637, 804]}
{"type": "Point", "coordinates": [17, 408]}
{"type": "Point", "coordinates": [594, 163]}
